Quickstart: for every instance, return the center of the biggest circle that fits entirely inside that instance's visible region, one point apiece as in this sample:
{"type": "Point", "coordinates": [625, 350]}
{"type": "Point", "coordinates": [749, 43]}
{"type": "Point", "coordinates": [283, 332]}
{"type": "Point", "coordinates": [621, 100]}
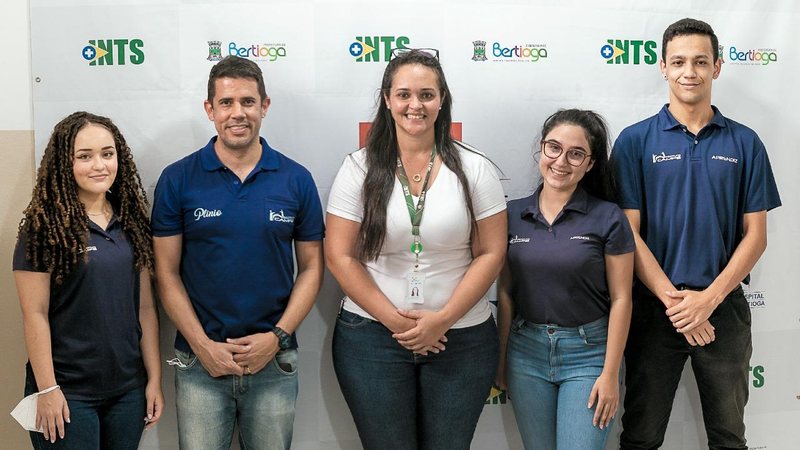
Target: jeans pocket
{"type": "Point", "coordinates": [185, 360]}
{"type": "Point", "coordinates": [594, 335]}
{"type": "Point", "coordinates": [351, 320]}
{"type": "Point", "coordinates": [285, 361]}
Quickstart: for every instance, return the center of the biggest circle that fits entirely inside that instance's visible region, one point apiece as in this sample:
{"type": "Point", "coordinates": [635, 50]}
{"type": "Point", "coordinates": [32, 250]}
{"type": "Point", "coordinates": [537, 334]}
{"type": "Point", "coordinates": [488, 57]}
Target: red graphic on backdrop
{"type": "Point", "coordinates": [363, 128]}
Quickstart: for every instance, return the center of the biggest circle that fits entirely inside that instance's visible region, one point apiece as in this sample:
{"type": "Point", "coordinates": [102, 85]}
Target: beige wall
{"type": "Point", "coordinates": [16, 183]}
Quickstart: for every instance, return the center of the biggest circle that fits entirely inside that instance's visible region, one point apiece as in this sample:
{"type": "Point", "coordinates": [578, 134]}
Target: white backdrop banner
{"type": "Point", "coordinates": [509, 65]}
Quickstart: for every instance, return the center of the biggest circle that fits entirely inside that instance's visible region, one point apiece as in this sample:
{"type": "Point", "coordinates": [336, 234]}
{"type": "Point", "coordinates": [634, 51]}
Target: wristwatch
{"type": "Point", "coordinates": [284, 339]}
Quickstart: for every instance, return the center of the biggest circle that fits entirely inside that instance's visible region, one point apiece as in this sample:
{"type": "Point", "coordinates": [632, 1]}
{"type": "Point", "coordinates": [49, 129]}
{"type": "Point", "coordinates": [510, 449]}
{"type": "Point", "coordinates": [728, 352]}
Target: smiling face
{"type": "Point", "coordinates": [94, 163]}
{"type": "Point", "coordinates": [237, 110]}
{"type": "Point", "coordinates": [414, 100]}
{"type": "Point", "coordinates": [558, 173]}
{"type": "Point", "coordinates": [689, 68]}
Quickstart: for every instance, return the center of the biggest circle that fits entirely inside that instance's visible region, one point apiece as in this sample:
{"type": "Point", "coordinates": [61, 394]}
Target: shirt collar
{"type": "Point", "coordinates": [578, 203]}
{"type": "Point", "coordinates": [669, 122]}
{"type": "Point", "coordinates": [210, 161]}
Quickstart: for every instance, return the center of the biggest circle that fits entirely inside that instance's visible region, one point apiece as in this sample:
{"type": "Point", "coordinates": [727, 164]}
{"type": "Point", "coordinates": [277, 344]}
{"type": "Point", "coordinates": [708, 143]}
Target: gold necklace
{"type": "Point", "coordinates": [105, 212]}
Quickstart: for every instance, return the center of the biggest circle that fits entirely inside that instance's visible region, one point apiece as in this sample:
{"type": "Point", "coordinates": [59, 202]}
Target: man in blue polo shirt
{"type": "Point", "coordinates": [225, 221]}
{"type": "Point", "coordinates": [696, 187]}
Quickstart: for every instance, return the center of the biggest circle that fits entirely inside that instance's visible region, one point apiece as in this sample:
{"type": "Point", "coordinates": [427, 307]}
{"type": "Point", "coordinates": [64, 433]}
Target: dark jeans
{"type": "Point", "coordinates": [114, 423]}
{"type": "Point", "coordinates": [654, 359]}
{"type": "Point", "coordinates": [400, 400]}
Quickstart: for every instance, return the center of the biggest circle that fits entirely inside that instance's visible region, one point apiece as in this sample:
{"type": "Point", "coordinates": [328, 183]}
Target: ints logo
{"type": "Point", "coordinates": [102, 52]}
{"type": "Point", "coordinates": [756, 299]}
{"type": "Point", "coordinates": [752, 57]}
{"type": "Point", "coordinates": [376, 48]}
{"type": "Point", "coordinates": [496, 397]}
{"type": "Point", "coordinates": [625, 51]}
{"type": "Point", "coordinates": [758, 376]}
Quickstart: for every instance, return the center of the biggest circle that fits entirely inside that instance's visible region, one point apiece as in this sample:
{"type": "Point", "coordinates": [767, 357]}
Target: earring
{"type": "Point", "coordinates": [664, 75]}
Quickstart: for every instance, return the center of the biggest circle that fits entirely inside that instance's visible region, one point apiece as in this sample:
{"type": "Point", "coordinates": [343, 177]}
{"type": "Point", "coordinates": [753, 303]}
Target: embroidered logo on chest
{"type": "Point", "coordinates": [663, 157]}
{"type": "Point", "coordinates": [202, 213]}
{"type": "Point", "coordinates": [518, 240]}
{"type": "Point", "coordinates": [725, 158]}
{"type": "Point", "coordinates": [280, 217]}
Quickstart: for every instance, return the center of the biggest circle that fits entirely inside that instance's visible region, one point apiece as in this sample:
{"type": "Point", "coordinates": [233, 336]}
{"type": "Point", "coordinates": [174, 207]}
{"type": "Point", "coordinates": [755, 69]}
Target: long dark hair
{"type": "Point", "coordinates": [382, 152]}
{"type": "Point", "coordinates": [599, 181]}
{"type": "Point", "coordinates": [55, 222]}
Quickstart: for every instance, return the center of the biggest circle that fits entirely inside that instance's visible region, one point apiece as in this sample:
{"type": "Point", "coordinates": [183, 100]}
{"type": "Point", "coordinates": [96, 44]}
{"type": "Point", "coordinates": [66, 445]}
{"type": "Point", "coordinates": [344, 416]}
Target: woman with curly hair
{"type": "Point", "coordinates": [82, 269]}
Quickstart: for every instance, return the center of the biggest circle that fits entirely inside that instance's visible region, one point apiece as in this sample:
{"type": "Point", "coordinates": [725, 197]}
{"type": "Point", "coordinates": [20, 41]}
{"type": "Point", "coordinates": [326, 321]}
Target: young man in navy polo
{"type": "Point", "coordinates": [228, 220]}
{"type": "Point", "coordinates": [696, 187]}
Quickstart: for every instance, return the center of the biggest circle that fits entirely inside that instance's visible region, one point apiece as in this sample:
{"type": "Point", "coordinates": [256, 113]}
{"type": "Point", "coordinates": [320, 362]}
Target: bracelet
{"type": "Point", "coordinates": [49, 390]}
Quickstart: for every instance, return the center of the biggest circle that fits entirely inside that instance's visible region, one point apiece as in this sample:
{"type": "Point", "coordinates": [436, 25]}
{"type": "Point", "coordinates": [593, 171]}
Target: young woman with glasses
{"type": "Point", "coordinates": [565, 291]}
{"type": "Point", "coordinates": [415, 237]}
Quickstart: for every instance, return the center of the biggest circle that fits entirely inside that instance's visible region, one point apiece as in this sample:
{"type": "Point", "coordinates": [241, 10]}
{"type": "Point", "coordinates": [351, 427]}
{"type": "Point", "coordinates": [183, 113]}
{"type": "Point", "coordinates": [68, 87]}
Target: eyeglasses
{"type": "Point", "coordinates": [575, 156]}
{"type": "Point", "coordinates": [432, 52]}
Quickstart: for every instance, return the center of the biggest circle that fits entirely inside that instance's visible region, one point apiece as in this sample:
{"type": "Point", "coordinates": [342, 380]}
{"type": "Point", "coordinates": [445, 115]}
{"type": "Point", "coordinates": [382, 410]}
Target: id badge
{"type": "Point", "coordinates": [415, 282]}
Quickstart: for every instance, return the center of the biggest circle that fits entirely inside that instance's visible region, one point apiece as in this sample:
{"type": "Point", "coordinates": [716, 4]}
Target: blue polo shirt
{"type": "Point", "coordinates": [692, 192]}
{"type": "Point", "coordinates": [237, 263]}
{"type": "Point", "coordinates": [94, 318]}
{"type": "Point", "coordinates": [558, 273]}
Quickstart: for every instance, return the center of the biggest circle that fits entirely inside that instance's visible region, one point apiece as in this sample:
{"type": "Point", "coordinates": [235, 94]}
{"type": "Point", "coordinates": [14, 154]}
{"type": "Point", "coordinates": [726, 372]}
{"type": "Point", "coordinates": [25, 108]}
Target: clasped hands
{"type": "Point", "coordinates": [689, 312]}
{"type": "Point", "coordinates": [246, 355]}
{"type": "Point", "coordinates": [424, 331]}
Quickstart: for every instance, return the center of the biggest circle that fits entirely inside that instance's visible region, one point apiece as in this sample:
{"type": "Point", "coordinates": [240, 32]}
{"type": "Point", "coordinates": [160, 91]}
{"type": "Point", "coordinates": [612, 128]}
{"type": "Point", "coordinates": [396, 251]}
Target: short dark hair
{"type": "Point", "coordinates": [236, 67]}
{"type": "Point", "coordinates": [686, 27]}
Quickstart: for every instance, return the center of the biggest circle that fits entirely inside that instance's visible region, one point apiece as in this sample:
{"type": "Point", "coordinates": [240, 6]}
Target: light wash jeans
{"type": "Point", "coordinates": [262, 404]}
{"type": "Point", "coordinates": [550, 372]}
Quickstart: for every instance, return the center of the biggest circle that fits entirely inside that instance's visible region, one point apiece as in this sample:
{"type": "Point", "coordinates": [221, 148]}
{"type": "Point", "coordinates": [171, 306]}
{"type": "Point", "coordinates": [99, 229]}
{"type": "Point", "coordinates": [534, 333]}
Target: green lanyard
{"type": "Point", "coordinates": [415, 212]}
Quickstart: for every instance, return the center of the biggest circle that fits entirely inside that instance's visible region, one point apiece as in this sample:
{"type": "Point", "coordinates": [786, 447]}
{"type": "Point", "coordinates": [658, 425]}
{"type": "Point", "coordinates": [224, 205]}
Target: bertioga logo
{"type": "Point", "coordinates": [109, 52]}
{"type": "Point", "coordinates": [256, 52]}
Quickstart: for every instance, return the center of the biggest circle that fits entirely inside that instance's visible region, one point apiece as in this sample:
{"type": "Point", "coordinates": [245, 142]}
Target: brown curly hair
{"type": "Point", "coordinates": [55, 223]}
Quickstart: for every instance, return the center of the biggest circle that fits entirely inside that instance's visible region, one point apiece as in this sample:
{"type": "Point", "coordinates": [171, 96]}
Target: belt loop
{"type": "Point", "coordinates": [582, 332]}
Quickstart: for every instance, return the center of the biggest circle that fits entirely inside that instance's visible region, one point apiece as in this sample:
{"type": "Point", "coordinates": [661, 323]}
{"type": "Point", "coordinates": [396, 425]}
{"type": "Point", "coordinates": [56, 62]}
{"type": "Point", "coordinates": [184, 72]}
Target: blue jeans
{"type": "Point", "coordinates": [400, 400]}
{"type": "Point", "coordinates": [550, 373]}
{"type": "Point", "coordinates": [655, 357]}
{"type": "Point", "coordinates": [110, 424]}
{"type": "Point", "coordinates": [262, 404]}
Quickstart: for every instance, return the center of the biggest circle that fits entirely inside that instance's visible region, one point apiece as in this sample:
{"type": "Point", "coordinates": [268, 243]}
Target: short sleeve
{"type": "Point", "coordinates": [625, 161]}
{"type": "Point", "coordinates": [487, 193]}
{"type": "Point", "coordinates": [761, 191]}
{"type": "Point", "coordinates": [345, 198]}
{"type": "Point", "coordinates": [20, 261]}
{"type": "Point", "coordinates": [620, 236]}
{"type": "Point", "coordinates": [309, 225]}
{"type": "Point", "coordinates": [167, 217]}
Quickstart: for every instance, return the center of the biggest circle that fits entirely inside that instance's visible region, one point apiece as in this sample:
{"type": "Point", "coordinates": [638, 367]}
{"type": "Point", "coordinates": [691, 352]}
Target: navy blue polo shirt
{"type": "Point", "coordinates": [237, 263]}
{"type": "Point", "coordinates": [692, 192]}
{"type": "Point", "coordinates": [94, 318]}
{"type": "Point", "coordinates": [558, 273]}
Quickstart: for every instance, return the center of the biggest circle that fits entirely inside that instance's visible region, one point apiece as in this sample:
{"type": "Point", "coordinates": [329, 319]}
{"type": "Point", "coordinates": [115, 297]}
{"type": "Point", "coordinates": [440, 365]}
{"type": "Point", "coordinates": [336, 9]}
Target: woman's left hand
{"type": "Point", "coordinates": [605, 393]}
{"type": "Point", "coordinates": [427, 335]}
{"type": "Point", "coordinates": [155, 403]}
